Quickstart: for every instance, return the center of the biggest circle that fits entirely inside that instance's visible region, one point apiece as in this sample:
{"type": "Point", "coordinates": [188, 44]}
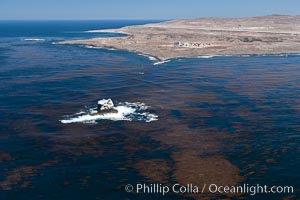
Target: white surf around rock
{"type": "Point", "coordinates": [125, 112]}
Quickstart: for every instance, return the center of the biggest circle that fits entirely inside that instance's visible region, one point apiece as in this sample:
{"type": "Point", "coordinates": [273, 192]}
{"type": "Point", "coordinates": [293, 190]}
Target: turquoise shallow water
{"type": "Point", "coordinates": [243, 109]}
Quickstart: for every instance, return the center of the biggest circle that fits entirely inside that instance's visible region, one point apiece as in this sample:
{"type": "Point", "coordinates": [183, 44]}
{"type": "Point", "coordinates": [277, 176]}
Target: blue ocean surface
{"type": "Point", "coordinates": [237, 115]}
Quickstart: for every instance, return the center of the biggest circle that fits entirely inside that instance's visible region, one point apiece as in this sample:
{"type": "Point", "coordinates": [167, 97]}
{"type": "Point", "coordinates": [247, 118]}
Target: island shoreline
{"type": "Point", "coordinates": [206, 37]}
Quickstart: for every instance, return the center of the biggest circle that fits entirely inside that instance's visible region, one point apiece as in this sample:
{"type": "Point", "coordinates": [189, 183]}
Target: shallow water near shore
{"type": "Point", "coordinates": [237, 118]}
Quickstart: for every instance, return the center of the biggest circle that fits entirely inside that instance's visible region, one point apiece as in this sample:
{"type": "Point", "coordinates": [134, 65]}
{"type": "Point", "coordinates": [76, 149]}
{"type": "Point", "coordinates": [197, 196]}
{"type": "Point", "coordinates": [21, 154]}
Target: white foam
{"type": "Point", "coordinates": [276, 55]}
{"type": "Point", "coordinates": [126, 112]}
{"type": "Point", "coordinates": [122, 114]}
{"type": "Point", "coordinates": [152, 58]}
{"type": "Point", "coordinates": [80, 112]}
{"type": "Point", "coordinates": [95, 47]}
{"type": "Point", "coordinates": [150, 117]}
{"type": "Point", "coordinates": [283, 55]}
{"type": "Point", "coordinates": [149, 57]}
{"type": "Point", "coordinates": [94, 31]}
{"type": "Point", "coordinates": [92, 47]}
{"type": "Point", "coordinates": [34, 39]}
{"type": "Point", "coordinates": [244, 55]}
{"type": "Point", "coordinates": [161, 62]}
{"type": "Point", "coordinates": [207, 56]}
{"type": "Point", "coordinates": [138, 105]}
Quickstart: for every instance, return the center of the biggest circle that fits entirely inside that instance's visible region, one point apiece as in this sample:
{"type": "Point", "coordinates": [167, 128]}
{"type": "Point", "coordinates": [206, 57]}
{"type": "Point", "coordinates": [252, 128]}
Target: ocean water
{"type": "Point", "coordinates": [174, 116]}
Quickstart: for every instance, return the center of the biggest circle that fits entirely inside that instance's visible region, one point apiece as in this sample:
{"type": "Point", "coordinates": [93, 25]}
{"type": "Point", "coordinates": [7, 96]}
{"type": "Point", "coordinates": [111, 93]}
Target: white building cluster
{"type": "Point", "coordinates": [191, 44]}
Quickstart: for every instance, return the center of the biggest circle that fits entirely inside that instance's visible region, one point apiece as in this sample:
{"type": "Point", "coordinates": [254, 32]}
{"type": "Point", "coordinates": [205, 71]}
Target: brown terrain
{"type": "Point", "coordinates": [276, 34]}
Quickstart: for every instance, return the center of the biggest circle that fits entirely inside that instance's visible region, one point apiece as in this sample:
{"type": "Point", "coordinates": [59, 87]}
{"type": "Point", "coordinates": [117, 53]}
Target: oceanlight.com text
{"type": "Point", "coordinates": [158, 188]}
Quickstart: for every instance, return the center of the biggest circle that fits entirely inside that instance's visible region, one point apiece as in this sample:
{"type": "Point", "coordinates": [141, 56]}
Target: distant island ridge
{"type": "Point", "coordinates": [276, 34]}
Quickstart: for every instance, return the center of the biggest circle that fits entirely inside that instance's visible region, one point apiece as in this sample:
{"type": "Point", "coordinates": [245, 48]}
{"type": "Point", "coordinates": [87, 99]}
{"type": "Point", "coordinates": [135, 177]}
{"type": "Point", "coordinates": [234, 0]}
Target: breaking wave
{"type": "Point", "coordinates": [34, 39]}
{"type": "Point", "coordinates": [152, 58]}
{"type": "Point", "coordinates": [161, 62]}
{"type": "Point", "coordinates": [96, 47]}
{"type": "Point", "coordinates": [92, 47]}
{"type": "Point", "coordinates": [126, 112]}
{"type": "Point", "coordinates": [212, 56]}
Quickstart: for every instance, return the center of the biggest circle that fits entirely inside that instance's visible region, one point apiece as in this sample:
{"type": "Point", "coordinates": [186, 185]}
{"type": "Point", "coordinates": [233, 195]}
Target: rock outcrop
{"type": "Point", "coordinates": [106, 106]}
